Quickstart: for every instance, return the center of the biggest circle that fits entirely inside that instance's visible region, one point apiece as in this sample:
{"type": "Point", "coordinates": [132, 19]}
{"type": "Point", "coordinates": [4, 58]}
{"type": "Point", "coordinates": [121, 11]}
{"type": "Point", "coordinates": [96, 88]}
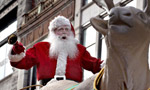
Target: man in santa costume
{"type": "Point", "coordinates": [61, 58]}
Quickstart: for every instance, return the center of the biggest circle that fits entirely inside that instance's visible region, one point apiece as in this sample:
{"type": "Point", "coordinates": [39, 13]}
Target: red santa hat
{"type": "Point", "coordinates": [60, 21]}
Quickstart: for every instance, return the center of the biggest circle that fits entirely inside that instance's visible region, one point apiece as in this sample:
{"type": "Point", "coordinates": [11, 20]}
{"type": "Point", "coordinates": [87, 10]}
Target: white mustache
{"type": "Point", "coordinates": [64, 36]}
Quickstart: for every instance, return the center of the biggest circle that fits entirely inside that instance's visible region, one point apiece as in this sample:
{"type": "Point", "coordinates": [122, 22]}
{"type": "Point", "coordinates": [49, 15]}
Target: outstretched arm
{"type": "Point", "coordinates": [21, 59]}
{"type": "Point", "coordinates": [91, 63]}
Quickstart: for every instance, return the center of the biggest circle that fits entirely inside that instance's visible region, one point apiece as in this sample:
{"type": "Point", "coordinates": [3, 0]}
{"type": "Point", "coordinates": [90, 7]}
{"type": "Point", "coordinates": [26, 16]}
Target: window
{"type": "Point", "coordinates": [89, 41]}
{"type": "Point", "coordinates": [5, 67]}
{"type": "Point", "coordinates": [132, 3]}
{"type": "Point", "coordinates": [8, 31]}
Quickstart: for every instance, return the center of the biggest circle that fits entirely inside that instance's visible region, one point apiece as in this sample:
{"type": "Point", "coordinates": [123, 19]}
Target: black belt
{"type": "Point", "coordinates": [59, 77]}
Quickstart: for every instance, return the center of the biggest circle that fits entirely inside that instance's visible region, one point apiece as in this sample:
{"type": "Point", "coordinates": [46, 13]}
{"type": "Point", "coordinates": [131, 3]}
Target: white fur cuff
{"type": "Point", "coordinates": [17, 57]}
{"type": "Point", "coordinates": [77, 41]}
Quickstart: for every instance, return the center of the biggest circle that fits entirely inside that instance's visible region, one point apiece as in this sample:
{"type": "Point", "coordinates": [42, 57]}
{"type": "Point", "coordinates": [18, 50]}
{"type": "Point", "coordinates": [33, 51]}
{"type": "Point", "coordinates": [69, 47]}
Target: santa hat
{"type": "Point", "coordinates": [60, 21]}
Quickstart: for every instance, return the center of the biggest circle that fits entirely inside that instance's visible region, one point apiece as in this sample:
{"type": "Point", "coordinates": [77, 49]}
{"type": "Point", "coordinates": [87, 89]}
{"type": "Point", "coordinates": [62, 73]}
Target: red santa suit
{"type": "Point", "coordinates": [39, 55]}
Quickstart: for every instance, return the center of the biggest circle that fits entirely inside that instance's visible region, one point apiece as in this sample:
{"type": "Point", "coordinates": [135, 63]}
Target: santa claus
{"type": "Point", "coordinates": [61, 58]}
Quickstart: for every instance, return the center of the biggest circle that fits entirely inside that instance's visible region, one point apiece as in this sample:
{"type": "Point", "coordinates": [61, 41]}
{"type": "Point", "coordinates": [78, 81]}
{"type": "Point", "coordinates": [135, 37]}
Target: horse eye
{"type": "Point", "coordinates": [111, 14]}
{"type": "Point", "coordinates": [142, 16]}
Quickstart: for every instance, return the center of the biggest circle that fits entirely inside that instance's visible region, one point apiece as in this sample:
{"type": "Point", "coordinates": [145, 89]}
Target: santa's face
{"type": "Point", "coordinates": [62, 40]}
{"type": "Point", "coordinates": [63, 32]}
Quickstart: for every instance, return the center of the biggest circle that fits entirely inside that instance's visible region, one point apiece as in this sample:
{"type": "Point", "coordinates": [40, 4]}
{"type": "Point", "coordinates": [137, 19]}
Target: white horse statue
{"type": "Point", "coordinates": [127, 34]}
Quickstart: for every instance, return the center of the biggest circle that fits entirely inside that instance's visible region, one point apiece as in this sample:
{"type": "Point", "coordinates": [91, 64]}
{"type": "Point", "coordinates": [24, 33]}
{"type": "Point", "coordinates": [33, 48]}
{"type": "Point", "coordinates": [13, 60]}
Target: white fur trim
{"type": "Point", "coordinates": [17, 57]}
{"type": "Point", "coordinates": [61, 63]}
{"type": "Point", "coordinates": [59, 21]}
{"type": "Point", "coordinates": [77, 41]}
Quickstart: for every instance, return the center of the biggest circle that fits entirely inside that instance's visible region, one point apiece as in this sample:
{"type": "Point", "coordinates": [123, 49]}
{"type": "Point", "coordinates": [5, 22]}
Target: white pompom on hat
{"type": "Point", "coordinates": [60, 21]}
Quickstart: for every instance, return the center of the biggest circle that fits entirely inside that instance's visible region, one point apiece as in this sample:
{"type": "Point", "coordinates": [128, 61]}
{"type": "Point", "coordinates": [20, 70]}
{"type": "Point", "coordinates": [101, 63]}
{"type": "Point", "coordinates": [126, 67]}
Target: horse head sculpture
{"type": "Point", "coordinates": [127, 35]}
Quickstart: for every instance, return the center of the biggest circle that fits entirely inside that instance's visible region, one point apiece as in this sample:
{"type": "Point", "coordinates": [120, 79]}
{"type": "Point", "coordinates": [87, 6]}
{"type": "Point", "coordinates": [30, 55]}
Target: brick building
{"type": "Point", "coordinates": [29, 19]}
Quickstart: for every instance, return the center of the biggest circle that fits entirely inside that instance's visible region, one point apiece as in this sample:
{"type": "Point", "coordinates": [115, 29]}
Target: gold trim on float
{"type": "Point", "coordinates": [98, 79]}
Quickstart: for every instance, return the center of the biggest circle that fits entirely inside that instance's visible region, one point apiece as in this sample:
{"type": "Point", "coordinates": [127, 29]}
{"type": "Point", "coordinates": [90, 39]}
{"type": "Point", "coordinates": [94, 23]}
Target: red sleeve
{"type": "Point", "coordinates": [28, 61]}
{"type": "Point", "coordinates": [90, 63]}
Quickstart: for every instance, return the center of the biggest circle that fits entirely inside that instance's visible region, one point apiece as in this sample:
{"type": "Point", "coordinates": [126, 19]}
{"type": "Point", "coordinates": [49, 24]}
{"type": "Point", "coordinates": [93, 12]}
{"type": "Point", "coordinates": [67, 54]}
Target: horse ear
{"type": "Point", "coordinates": [100, 25]}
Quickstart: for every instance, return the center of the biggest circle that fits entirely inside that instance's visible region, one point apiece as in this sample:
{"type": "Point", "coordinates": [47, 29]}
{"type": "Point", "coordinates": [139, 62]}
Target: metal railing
{"type": "Point", "coordinates": [42, 6]}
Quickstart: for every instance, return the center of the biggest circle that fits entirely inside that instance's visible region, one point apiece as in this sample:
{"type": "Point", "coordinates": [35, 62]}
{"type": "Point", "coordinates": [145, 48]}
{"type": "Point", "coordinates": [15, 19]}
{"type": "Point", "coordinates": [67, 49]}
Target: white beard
{"type": "Point", "coordinates": [67, 46]}
{"type": "Point", "coordinates": [60, 49]}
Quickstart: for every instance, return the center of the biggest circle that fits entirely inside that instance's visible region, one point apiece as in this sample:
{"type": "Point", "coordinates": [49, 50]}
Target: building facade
{"type": "Point", "coordinates": [29, 19]}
